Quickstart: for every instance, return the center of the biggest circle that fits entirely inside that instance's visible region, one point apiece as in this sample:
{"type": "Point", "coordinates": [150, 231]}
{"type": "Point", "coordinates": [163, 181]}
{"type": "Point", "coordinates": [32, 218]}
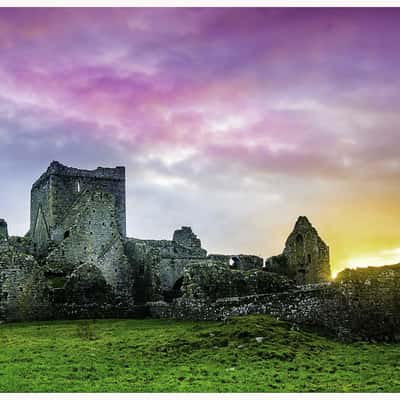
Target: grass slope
{"type": "Point", "coordinates": [169, 356]}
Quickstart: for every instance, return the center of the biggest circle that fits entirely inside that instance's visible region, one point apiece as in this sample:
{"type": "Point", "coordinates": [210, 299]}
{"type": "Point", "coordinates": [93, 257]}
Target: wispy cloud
{"type": "Point", "coordinates": [232, 120]}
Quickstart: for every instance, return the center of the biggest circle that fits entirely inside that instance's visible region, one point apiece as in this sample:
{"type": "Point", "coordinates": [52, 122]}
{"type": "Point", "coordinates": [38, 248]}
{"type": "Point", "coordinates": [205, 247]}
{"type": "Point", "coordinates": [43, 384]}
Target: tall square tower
{"type": "Point", "coordinates": [55, 193]}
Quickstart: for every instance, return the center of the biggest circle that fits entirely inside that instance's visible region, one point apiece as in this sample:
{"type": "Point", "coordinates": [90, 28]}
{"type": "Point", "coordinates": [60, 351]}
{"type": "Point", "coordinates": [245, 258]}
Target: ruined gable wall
{"type": "Point", "coordinates": [305, 257]}
{"type": "Point", "coordinates": [307, 254]}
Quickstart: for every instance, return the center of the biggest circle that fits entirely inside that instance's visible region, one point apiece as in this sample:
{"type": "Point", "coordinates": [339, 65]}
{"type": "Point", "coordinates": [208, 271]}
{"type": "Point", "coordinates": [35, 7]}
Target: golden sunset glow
{"type": "Point", "coordinates": [384, 257]}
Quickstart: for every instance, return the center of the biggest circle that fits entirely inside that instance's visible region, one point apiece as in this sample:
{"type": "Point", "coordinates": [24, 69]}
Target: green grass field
{"type": "Point", "coordinates": [169, 356]}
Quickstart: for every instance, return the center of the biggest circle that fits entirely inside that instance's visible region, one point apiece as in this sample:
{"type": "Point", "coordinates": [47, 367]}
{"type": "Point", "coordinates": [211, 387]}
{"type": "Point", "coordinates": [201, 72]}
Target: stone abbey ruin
{"type": "Point", "coordinates": [77, 262]}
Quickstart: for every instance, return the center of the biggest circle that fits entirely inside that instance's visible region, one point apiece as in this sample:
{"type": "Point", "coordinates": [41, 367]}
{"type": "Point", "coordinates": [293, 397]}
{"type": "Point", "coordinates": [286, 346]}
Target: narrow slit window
{"type": "Point", "coordinates": [78, 186]}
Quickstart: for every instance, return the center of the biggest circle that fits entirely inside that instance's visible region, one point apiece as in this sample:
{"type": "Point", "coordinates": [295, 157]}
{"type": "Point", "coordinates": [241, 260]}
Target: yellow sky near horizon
{"type": "Point", "coordinates": [361, 232]}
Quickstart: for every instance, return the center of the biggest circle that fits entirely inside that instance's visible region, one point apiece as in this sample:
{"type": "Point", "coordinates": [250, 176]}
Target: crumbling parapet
{"type": "Point", "coordinates": [186, 238]}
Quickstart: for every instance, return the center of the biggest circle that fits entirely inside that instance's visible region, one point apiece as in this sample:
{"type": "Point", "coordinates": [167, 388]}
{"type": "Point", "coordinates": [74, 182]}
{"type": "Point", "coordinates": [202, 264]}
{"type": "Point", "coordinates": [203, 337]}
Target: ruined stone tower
{"type": "Point", "coordinates": [305, 258]}
{"type": "Point", "coordinates": [78, 224]}
{"type": "Point", "coordinates": [56, 193]}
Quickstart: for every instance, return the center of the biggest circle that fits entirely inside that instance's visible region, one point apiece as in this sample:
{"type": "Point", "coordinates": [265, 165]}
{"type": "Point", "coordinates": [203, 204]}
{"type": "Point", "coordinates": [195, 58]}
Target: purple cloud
{"type": "Point", "coordinates": [271, 111]}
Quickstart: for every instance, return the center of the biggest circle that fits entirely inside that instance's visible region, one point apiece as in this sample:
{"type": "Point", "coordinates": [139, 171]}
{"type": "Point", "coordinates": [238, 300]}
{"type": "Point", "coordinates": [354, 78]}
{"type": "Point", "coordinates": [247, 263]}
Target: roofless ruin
{"type": "Point", "coordinates": [76, 261]}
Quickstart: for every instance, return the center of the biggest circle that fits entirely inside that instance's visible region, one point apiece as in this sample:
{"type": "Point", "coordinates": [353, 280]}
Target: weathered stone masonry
{"type": "Point", "coordinates": [77, 262]}
{"type": "Point", "coordinates": [362, 304]}
{"type": "Point", "coordinates": [305, 258]}
{"type": "Point", "coordinates": [59, 189]}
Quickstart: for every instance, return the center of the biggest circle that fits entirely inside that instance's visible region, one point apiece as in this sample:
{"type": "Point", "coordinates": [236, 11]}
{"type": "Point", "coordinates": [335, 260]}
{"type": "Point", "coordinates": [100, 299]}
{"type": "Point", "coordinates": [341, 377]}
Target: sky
{"type": "Point", "coordinates": [233, 121]}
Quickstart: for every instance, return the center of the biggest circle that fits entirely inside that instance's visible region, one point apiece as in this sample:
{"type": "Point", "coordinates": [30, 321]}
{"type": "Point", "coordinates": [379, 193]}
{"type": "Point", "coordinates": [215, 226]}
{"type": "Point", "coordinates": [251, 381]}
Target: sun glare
{"type": "Point", "coordinates": [385, 257]}
{"type": "Point", "coordinates": [379, 259]}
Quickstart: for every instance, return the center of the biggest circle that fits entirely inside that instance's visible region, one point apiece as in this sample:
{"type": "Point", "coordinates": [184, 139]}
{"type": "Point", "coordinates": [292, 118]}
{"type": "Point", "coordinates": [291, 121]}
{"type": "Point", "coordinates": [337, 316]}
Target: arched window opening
{"type": "Point", "coordinates": [234, 262]}
{"type": "Point", "coordinates": [78, 186]}
{"type": "Point", "coordinates": [66, 234]}
{"type": "Point", "coordinates": [300, 249]}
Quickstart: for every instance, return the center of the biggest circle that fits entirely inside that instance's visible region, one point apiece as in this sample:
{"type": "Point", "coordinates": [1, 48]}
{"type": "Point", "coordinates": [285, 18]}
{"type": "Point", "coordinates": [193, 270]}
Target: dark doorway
{"type": "Point", "coordinates": [301, 277]}
{"type": "Point", "coordinates": [178, 284]}
{"type": "Point", "coordinates": [175, 292]}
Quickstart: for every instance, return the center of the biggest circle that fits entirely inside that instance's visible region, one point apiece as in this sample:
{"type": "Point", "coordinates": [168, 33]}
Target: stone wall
{"type": "Point", "coordinates": [316, 306]}
{"type": "Point", "coordinates": [210, 281]}
{"type": "Point", "coordinates": [22, 293]}
{"type": "Point", "coordinates": [21, 244]}
{"type": "Point", "coordinates": [373, 299]}
{"type": "Point", "coordinates": [362, 304]}
{"type": "Point", "coordinates": [85, 293]}
{"type": "Point", "coordinates": [29, 291]}
{"type": "Point", "coordinates": [159, 265]}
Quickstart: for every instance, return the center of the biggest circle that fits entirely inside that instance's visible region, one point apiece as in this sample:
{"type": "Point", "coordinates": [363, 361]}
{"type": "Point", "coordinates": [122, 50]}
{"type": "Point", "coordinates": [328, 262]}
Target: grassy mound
{"type": "Point", "coordinates": [247, 354]}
